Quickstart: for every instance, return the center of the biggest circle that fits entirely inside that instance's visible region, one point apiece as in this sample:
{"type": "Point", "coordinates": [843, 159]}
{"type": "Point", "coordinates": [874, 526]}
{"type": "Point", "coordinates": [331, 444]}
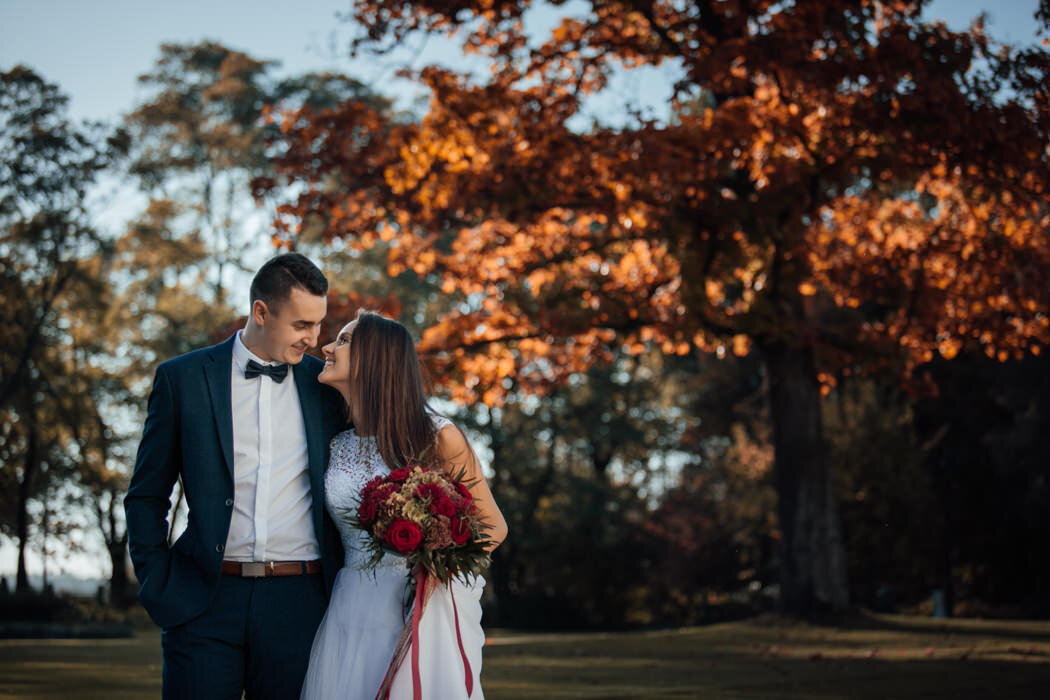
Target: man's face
{"type": "Point", "coordinates": [293, 329]}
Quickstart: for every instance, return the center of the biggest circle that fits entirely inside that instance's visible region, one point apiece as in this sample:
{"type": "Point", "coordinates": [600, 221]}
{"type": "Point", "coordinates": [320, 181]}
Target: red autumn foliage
{"type": "Point", "coordinates": [843, 185]}
{"type": "Point", "coordinates": [836, 173]}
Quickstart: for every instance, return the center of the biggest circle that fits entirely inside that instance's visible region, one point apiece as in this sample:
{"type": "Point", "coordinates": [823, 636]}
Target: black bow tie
{"type": "Point", "coordinates": [274, 372]}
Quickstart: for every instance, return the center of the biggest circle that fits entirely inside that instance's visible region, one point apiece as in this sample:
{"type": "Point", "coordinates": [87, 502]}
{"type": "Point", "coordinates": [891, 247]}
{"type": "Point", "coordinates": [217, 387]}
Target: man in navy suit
{"type": "Point", "coordinates": [246, 426]}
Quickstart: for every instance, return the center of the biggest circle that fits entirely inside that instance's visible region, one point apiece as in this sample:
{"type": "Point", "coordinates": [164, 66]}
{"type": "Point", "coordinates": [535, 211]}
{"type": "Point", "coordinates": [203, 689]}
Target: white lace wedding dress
{"type": "Point", "coordinates": [356, 639]}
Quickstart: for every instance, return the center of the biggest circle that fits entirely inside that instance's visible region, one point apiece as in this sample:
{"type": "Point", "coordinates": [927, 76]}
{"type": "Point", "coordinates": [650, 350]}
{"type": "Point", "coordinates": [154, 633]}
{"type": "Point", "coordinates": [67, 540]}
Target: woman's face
{"type": "Point", "coordinates": [336, 372]}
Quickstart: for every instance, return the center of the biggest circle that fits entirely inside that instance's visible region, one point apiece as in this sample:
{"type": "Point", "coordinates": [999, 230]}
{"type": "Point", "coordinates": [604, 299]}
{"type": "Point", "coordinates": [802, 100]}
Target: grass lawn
{"type": "Point", "coordinates": [876, 656]}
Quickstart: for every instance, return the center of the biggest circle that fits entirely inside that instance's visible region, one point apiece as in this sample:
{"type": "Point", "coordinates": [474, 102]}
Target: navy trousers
{"type": "Point", "coordinates": [254, 639]}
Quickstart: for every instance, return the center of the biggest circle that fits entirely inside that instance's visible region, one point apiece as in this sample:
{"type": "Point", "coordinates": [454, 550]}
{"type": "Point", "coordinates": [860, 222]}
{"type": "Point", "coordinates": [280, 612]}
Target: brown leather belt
{"type": "Point", "coordinates": [264, 569]}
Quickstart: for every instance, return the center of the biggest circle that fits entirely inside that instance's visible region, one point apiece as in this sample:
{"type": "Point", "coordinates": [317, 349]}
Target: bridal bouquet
{"type": "Point", "coordinates": [426, 516]}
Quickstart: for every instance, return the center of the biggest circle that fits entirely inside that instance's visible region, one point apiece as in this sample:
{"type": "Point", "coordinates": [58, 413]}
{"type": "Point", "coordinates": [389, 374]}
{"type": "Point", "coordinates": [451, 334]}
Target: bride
{"type": "Point", "coordinates": [374, 365]}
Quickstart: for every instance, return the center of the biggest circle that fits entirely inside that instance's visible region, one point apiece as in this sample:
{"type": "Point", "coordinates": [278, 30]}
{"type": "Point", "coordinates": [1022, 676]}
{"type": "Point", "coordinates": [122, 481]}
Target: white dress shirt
{"type": "Point", "coordinates": [271, 479]}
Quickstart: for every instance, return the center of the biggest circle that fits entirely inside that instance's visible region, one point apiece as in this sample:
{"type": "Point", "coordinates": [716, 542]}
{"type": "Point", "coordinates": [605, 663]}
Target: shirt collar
{"type": "Point", "coordinates": [241, 354]}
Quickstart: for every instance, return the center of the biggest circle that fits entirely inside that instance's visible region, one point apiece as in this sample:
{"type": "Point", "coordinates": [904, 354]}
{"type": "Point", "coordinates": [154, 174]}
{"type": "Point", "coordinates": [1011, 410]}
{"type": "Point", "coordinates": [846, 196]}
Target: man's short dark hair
{"type": "Point", "coordinates": [274, 281]}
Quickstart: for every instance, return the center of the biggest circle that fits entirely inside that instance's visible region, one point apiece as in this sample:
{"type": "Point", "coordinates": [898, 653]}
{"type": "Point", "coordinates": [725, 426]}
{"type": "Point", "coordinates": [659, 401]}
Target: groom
{"type": "Point", "coordinates": [245, 425]}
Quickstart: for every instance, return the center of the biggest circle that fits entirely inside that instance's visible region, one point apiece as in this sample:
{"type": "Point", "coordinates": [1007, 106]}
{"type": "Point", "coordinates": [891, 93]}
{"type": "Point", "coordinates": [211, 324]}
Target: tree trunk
{"type": "Point", "coordinates": [502, 560]}
{"type": "Point", "coordinates": [119, 584]}
{"type": "Point", "coordinates": [44, 525]}
{"type": "Point", "coordinates": [25, 489]}
{"type": "Point", "coordinates": [812, 553]}
{"type": "Point", "coordinates": [944, 492]}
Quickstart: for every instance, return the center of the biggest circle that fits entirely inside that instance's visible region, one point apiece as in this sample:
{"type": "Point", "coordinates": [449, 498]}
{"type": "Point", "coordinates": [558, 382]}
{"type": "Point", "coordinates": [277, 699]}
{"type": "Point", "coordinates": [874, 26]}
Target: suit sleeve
{"type": "Point", "coordinates": [148, 499]}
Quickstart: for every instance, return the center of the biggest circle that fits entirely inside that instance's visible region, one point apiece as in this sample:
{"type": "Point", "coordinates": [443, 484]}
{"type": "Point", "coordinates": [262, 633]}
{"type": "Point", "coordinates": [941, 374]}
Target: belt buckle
{"type": "Point", "coordinates": [254, 569]}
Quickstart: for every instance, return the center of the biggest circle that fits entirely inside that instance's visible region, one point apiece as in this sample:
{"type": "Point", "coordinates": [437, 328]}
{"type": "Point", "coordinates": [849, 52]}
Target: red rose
{"type": "Point", "coordinates": [366, 513]}
{"type": "Point", "coordinates": [429, 492]}
{"type": "Point", "coordinates": [383, 492]}
{"type": "Point", "coordinates": [463, 490]}
{"type": "Point", "coordinates": [370, 487]}
{"type": "Point", "coordinates": [443, 505]}
{"type": "Point", "coordinates": [403, 535]}
{"type": "Point", "coordinates": [399, 475]}
{"type": "Point", "coordinates": [460, 531]}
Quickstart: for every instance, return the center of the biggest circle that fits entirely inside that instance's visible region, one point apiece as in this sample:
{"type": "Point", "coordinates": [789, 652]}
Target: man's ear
{"type": "Point", "coordinates": [260, 312]}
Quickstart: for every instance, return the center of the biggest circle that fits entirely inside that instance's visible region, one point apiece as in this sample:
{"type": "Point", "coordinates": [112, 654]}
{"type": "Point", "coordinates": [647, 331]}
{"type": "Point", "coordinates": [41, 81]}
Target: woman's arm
{"type": "Point", "coordinates": [456, 454]}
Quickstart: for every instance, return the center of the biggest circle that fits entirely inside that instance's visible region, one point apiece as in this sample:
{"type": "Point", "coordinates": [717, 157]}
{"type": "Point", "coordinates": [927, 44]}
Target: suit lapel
{"type": "Point", "coordinates": [217, 370]}
{"type": "Point", "coordinates": [310, 404]}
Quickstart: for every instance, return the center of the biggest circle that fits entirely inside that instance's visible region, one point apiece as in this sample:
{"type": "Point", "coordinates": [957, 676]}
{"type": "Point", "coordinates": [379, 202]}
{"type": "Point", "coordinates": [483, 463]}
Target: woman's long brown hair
{"type": "Point", "coordinates": [386, 386]}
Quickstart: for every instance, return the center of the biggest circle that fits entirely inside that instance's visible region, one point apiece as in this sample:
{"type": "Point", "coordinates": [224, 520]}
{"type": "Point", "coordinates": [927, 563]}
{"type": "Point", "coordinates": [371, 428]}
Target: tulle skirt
{"type": "Point", "coordinates": [356, 639]}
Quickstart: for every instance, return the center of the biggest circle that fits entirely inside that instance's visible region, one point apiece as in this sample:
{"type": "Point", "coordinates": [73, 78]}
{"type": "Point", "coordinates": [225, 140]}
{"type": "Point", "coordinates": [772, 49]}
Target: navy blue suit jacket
{"type": "Point", "coordinates": [189, 434]}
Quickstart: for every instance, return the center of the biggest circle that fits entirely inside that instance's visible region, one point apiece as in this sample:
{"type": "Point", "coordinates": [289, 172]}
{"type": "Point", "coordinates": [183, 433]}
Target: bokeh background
{"type": "Point", "coordinates": [744, 304]}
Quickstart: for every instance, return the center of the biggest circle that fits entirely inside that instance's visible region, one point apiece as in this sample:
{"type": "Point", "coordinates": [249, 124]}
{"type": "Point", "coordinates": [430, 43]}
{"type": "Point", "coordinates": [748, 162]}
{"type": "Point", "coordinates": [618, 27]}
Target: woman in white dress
{"type": "Point", "coordinates": [374, 365]}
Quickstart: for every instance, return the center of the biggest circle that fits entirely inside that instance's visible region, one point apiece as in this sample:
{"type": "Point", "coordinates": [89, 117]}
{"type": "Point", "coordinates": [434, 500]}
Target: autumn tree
{"type": "Point", "coordinates": [51, 265]}
{"type": "Point", "coordinates": [47, 165]}
{"type": "Point", "coordinates": [842, 185]}
{"type": "Point", "coordinates": [199, 138]}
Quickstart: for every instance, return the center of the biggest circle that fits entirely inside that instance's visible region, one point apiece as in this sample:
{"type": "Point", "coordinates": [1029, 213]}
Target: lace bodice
{"type": "Point", "coordinates": [354, 462]}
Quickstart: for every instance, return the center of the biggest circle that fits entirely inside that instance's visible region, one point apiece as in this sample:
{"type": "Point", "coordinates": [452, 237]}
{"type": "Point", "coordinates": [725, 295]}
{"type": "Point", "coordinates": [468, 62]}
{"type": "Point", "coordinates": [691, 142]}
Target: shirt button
{"type": "Point", "coordinates": [219, 548]}
{"type": "Point", "coordinates": [229, 502]}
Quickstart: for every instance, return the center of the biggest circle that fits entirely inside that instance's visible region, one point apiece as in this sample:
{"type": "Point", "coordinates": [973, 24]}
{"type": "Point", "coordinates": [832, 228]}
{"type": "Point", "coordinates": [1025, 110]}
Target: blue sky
{"type": "Point", "coordinates": [95, 49]}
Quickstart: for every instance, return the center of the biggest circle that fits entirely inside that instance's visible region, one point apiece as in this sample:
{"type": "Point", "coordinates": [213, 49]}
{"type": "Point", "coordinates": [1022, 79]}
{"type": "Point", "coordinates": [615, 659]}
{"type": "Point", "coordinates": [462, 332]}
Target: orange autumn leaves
{"type": "Point", "coordinates": [833, 175]}
{"type": "Point", "coordinates": [967, 268]}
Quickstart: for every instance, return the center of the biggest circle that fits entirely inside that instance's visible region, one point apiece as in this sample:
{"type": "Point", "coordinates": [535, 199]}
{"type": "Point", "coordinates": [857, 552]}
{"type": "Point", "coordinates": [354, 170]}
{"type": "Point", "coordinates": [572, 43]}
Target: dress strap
{"type": "Point", "coordinates": [439, 421]}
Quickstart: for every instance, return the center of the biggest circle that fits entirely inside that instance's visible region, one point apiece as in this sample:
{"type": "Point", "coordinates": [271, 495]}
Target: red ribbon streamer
{"type": "Point", "coordinates": [459, 638]}
{"type": "Point", "coordinates": [417, 614]}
